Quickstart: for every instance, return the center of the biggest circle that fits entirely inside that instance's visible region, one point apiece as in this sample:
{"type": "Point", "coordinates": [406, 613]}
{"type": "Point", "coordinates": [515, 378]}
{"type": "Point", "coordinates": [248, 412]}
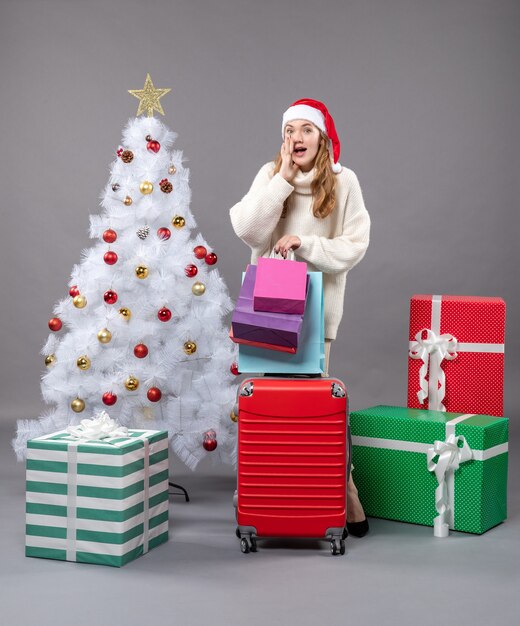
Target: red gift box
{"type": "Point", "coordinates": [456, 354]}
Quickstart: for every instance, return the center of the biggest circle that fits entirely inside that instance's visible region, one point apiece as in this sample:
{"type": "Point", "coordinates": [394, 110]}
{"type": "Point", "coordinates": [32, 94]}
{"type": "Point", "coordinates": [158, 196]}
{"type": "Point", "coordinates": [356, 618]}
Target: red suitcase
{"type": "Point", "coordinates": [293, 440]}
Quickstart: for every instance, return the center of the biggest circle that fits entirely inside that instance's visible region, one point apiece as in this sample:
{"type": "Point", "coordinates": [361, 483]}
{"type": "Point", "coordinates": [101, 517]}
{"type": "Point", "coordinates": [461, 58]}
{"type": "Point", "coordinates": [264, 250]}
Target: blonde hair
{"type": "Point", "coordinates": [323, 185]}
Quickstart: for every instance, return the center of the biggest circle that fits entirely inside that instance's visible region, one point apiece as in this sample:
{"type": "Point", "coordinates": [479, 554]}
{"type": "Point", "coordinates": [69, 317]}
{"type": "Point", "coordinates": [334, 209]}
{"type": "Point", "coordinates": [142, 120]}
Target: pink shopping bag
{"type": "Point", "coordinates": [280, 286]}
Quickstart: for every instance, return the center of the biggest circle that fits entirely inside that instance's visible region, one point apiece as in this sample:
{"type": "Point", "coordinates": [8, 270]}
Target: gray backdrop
{"type": "Point", "coordinates": [425, 96]}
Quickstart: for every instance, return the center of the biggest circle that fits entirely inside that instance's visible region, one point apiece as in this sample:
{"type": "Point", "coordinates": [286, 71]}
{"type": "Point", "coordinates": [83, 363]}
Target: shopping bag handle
{"type": "Point", "coordinates": [277, 255]}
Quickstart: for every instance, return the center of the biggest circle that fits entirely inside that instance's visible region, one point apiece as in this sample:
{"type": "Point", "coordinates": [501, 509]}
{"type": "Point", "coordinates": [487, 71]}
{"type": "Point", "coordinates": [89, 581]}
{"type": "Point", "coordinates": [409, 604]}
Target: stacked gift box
{"type": "Point", "coordinates": [441, 461]}
{"type": "Point", "coordinates": [456, 353]}
{"type": "Point", "coordinates": [396, 451]}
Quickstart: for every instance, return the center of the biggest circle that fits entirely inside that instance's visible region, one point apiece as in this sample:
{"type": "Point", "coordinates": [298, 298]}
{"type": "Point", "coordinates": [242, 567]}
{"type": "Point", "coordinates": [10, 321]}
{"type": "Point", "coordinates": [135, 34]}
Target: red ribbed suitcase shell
{"type": "Point", "coordinates": [292, 443]}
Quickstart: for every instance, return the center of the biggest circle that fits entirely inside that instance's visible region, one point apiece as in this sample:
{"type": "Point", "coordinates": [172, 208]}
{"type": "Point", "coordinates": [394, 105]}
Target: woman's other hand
{"type": "Point", "coordinates": [286, 243]}
{"type": "Point", "coordinates": [288, 169]}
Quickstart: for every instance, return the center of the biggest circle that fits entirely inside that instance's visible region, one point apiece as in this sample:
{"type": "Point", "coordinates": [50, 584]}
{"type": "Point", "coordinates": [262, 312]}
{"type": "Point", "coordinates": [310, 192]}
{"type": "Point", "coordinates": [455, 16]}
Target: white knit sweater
{"type": "Point", "coordinates": [332, 245]}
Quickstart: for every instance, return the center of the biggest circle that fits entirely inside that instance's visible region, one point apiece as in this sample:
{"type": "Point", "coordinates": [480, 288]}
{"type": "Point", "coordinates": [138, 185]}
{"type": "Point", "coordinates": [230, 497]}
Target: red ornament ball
{"type": "Point", "coordinates": [109, 398]}
{"type": "Point", "coordinates": [191, 270]}
{"type": "Point", "coordinates": [164, 314]}
{"type": "Point", "coordinates": [200, 252]}
{"type": "Point", "coordinates": [141, 351]}
{"type": "Point", "coordinates": [153, 146]}
{"type": "Point", "coordinates": [55, 324]}
{"type": "Point", "coordinates": [110, 296]}
{"type": "Point", "coordinates": [211, 258]}
{"type": "Point", "coordinates": [234, 368]}
{"type": "Point", "coordinates": [164, 233]}
{"type": "Point", "coordinates": [154, 394]}
{"type": "Point", "coordinates": [74, 291]}
{"type": "Point", "coordinates": [110, 257]}
{"type": "Point", "coordinates": [210, 440]}
{"type": "Point", "coordinates": [109, 236]}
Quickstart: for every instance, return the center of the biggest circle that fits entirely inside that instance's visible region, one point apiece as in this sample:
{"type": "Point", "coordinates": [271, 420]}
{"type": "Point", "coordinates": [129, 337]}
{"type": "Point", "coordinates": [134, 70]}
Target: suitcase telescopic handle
{"type": "Point", "coordinates": [338, 391]}
{"type": "Point", "coordinates": [349, 448]}
{"type": "Point", "coordinates": [247, 389]}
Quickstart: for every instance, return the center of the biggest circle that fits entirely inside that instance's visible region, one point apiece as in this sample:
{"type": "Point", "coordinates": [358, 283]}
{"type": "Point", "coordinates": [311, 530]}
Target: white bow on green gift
{"type": "Point", "coordinates": [100, 427]}
{"type": "Point", "coordinates": [444, 458]}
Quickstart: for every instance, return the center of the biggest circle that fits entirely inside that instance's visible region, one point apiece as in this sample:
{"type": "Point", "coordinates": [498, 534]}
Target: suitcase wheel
{"type": "Point", "coordinates": [337, 546]}
{"type": "Point", "coordinates": [247, 544]}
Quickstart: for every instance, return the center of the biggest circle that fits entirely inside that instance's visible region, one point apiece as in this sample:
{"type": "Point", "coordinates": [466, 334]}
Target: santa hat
{"type": "Point", "coordinates": [317, 113]}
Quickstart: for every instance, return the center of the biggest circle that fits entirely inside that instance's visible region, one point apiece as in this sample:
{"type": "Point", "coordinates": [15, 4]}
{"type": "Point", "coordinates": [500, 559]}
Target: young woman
{"type": "Point", "coordinates": [307, 202]}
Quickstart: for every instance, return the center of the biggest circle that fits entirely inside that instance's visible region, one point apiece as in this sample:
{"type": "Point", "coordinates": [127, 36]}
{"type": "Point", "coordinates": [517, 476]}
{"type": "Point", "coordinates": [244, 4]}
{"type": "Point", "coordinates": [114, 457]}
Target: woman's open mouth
{"type": "Point", "coordinates": [300, 151]}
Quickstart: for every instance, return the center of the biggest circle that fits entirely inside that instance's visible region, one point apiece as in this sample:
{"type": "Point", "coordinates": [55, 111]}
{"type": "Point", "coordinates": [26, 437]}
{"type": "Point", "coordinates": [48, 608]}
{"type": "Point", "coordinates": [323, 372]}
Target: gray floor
{"type": "Point", "coordinates": [398, 574]}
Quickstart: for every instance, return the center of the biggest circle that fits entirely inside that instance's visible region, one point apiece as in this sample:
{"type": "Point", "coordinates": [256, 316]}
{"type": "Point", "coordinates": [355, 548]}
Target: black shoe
{"type": "Point", "coordinates": [358, 529]}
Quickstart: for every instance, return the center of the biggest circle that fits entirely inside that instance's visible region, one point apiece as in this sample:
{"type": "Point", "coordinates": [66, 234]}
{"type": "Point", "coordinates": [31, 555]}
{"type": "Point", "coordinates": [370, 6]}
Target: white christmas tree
{"type": "Point", "coordinates": [142, 334]}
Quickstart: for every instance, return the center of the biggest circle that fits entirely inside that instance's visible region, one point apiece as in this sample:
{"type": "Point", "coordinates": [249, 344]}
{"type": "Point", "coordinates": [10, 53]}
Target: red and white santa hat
{"type": "Point", "coordinates": [316, 112]}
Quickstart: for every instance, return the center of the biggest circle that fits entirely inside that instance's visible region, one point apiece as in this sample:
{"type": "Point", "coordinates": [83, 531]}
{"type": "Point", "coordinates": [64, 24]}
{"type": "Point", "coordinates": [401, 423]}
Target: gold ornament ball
{"type": "Point", "coordinates": [104, 335]}
{"type": "Point", "coordinates": [198, 289]}
{"type": "Point", "coordinates": [172, 169]}
{"type": "Point", "coordinates": [125, 313]}
{"type": "Point", "coordinates": [131, 383]}
{"type": "Point", "coordinates": [146, 187]}
{"type": "Point", "coordinates": [79, 301]}
{"type": "Point", "coordinates": [233, 416]}
{"type": "Point", "coordinates": [83, 362]}
{"type": "Point", "coordinates": [190, 347]}
{"type": "Point", "coordinates": [77, 405]}
{"type": "Point", "coordinates": [141, 271]}
{"type": "Point", "coordinates": [178, 221]}
{"type": "Point", "coordinates": [127, 201]}
{"type": "Point", "coordinates": [50, 359]}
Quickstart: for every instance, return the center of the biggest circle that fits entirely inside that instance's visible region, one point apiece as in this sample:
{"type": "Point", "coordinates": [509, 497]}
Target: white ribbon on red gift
{"type": "Point", "coordinates": [432, 350]}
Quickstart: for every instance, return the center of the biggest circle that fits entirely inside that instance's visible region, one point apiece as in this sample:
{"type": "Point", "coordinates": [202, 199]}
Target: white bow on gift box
{"type": "Point", "coordinates": [432, 350]}
{"type": "Point", "coordinates": [100, 427]}
{"type": "Point", "coordinates": [448, 457]}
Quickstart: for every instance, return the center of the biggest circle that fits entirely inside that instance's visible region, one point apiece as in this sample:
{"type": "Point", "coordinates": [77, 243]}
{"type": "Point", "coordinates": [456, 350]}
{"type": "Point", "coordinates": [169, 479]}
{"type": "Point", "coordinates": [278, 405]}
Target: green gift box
{"type": "Point", "coordinates": [447, 470]}
{"type": "Point", "coordinates": [96, 501]}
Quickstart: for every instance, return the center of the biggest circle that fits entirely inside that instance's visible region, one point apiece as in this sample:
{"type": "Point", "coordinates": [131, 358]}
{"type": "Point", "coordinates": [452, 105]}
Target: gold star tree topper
{"type": "Point", "coordinates": [149, 97]}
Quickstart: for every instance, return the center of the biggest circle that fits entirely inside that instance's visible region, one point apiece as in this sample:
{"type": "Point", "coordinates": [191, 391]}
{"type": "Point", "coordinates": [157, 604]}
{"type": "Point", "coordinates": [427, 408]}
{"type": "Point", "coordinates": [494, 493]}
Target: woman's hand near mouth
{"type": "Point", "coordinates": [288, 169]}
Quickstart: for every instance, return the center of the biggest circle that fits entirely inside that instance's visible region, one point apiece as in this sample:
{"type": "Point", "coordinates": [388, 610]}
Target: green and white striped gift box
{"type": "Point", "coordinates": [102, 501]}
{"type": "Point", "coordinates": [395, 450]}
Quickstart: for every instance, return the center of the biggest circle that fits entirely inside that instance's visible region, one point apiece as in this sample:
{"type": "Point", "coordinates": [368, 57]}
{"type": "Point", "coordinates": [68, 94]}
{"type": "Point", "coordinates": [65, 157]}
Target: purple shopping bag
{"type": "Point", "coordinates": [276, 329]}
{"type": "Point", "coordinates": [281, 286]}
